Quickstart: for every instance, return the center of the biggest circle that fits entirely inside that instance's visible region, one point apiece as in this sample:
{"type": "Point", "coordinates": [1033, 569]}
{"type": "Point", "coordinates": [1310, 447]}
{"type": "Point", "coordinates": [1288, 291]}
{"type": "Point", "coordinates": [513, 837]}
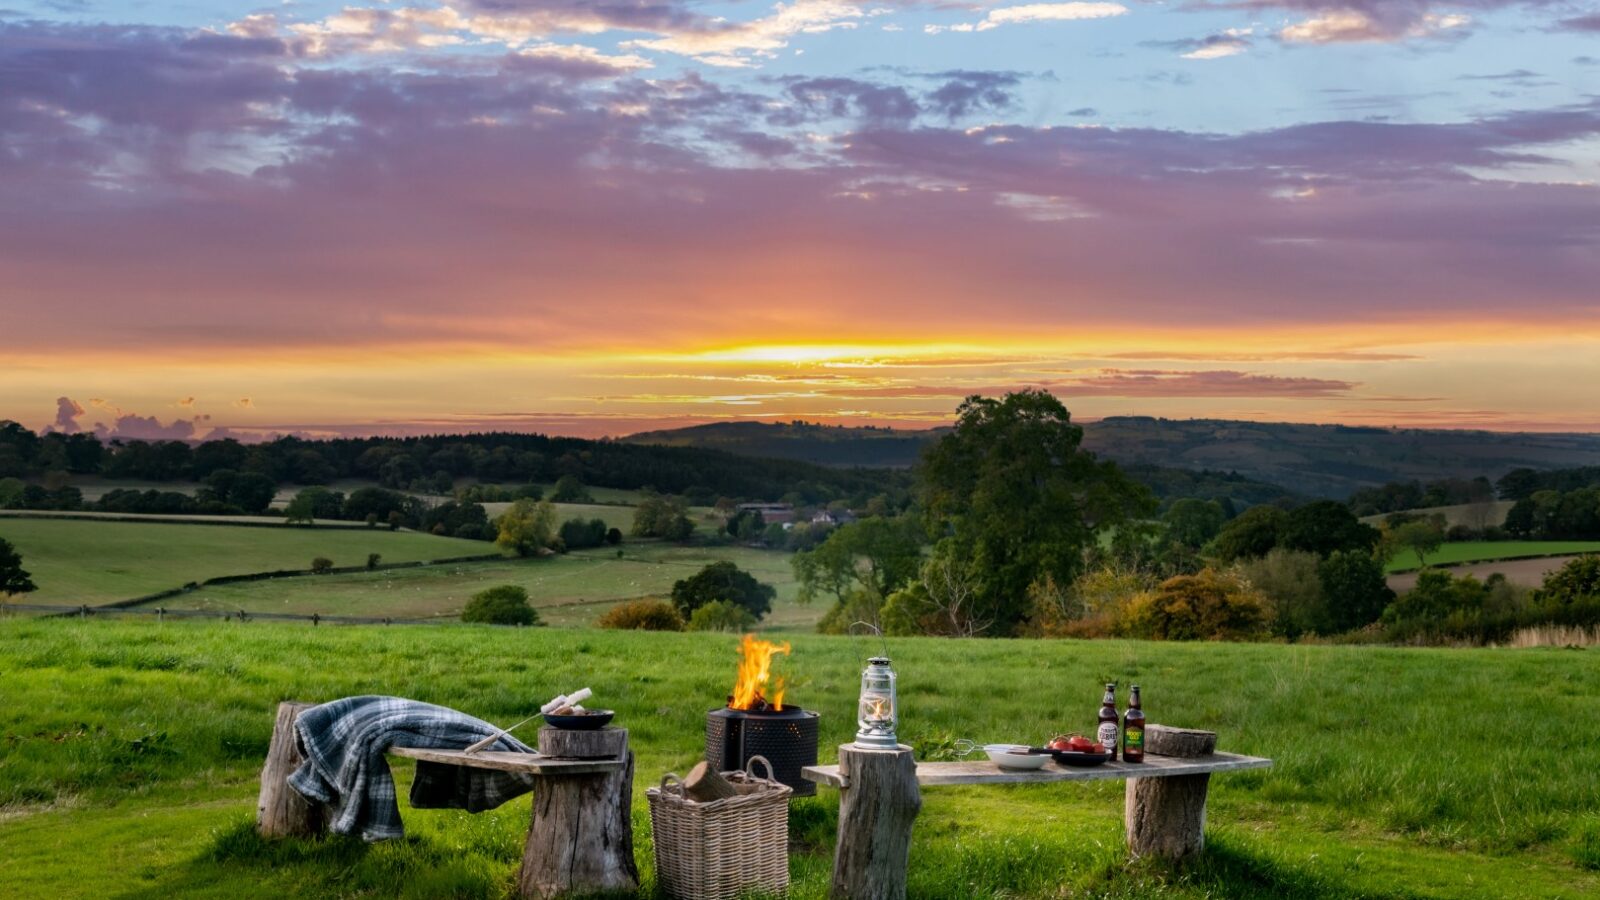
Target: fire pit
{"type": "Point", "coordinates": [752, 724]}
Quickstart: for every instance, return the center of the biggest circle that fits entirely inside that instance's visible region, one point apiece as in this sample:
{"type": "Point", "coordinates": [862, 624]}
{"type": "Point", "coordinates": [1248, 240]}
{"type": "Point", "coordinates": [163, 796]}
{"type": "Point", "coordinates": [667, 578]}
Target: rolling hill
{"type": "Point", "coordinates": [1319, 460]}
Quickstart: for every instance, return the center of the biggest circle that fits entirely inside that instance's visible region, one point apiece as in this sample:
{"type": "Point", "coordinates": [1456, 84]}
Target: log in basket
{"type": "Point", "coordinates": [726, 848]}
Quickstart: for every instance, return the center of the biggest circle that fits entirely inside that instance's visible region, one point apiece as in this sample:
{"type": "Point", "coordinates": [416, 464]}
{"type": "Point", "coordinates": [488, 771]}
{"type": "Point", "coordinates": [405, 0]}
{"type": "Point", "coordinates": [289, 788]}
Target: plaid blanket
{"type": "Point", "coordinates": [344, 744]}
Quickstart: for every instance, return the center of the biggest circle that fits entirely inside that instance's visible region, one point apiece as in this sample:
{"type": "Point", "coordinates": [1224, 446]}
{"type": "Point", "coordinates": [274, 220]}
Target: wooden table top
{"type": "Point", "coordinates": [986, 772]}
{"type": "Point", "coordinates": [531, 763]}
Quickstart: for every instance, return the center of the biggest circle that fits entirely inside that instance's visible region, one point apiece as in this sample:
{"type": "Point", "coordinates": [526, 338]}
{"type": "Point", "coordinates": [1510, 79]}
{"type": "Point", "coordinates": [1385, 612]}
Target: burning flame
{"type": "Point", "coordinates": [755, 671]}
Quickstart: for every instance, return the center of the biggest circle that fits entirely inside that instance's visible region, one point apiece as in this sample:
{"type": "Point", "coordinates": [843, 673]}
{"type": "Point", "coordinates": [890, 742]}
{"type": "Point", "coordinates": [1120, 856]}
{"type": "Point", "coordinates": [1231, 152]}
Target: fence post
{"type": "Point", "coordinates": [316, 619]}
{"type": "Point", "coordinates": [83, 611]}
{"type": "Point", "coordinates": [161, 614]}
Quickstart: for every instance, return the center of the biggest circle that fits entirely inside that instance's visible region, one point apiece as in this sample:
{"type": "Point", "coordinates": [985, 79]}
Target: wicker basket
{"type": "Point", "coordinates": [725, 848]}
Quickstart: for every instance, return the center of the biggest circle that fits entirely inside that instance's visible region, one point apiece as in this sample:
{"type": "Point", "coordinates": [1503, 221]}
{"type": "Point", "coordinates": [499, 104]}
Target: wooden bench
{"type": "Point", "coordinates": [880, 796]}
{"type": "Point", "coordinates": [580, 839]}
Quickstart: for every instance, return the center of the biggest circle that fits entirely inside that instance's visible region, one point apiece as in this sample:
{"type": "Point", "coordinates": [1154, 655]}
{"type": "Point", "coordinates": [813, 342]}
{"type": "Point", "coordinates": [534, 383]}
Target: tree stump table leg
{"type": "Point", "coordinates": [581, 839]}
{"type": "Point", "coordinates": [281, 811]}
{"type": "Point", "coordinates": [1166, 817]}
{"type": "Point", "coordinates": [877, 807]}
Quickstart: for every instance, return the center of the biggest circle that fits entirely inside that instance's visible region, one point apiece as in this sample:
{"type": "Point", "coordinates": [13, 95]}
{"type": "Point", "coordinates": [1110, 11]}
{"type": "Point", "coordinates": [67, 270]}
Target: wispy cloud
{"type": "Point", "coordinates": [1034, 13]}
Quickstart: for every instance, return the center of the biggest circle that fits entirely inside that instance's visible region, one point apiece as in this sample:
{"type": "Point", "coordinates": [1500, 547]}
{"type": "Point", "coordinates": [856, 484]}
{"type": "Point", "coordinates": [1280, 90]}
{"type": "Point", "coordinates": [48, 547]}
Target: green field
{"type": "Point", "coordinates": [132, 751]}
{"type": "Point", "coordinates": [1484, 551]}
{"type": "Point", "coordinates": [76, 561]}
{"type": "Point", "coordinates": [571, 589]}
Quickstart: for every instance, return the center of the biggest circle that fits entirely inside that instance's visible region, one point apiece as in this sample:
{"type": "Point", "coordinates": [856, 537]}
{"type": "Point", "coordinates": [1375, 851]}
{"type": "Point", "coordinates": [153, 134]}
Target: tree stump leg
{"type": "Point", "coordinates": [1166, 817]}
{"type": "Point", "coordinates": [281, 811]}
{"type": "Point", "coordinates": [581, 839]}
{"type": "Point", "coordinates": [876, 812]}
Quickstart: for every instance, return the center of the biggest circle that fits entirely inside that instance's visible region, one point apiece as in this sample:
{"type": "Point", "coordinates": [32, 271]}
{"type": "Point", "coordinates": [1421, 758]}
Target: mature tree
{"type": "Point", "coordinates": [301, 510]}
{"type": "Point", "coordinates": [527, 527]}
{"type": "Point", "coordinates": [506, 604]}
{"type": "Point", "coordinates": [11, 490]}
{"type": "Point", "coordinates": [1354, 588]}
{"type": "Point", "coordinates": [1326, 526]}
{"type": "Point", "coordinates": [1421, 537]}
{"type": "Point", "coordinates": [876, 555]}
{"type": "Point", "coordinates": [569, 489]}
{"type": "Point", "coordinates": [1016, 498]}
{"type": "Point", "coordinates": [722, 580]}
{"type": "Point", "coordinates": [747, 525]}
{"type": "Point", "coordinates": [579, 534]}
{"type": "Point", "coordinates": [250, 491]}
{"type": "Point", "coordinates": [1291, 580]}
{"type": "Point", "coordinates": [662, 517]}
{"type": "Point", "coordinates": [1193, 522]}
{"type": "Point", "coordinates": [14, 579]}
{"type": "Point", "coordinates": [1250, 534]}
{"type": "Point", "coordinates": [940, 602]}
{"type": "Point", "coordinates": [315, 503]}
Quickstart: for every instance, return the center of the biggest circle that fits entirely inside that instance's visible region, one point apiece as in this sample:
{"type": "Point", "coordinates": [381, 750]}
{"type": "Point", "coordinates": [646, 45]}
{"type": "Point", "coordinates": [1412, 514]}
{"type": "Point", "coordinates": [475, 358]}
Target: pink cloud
{"type": "Point", "coordinates": [490, 202]}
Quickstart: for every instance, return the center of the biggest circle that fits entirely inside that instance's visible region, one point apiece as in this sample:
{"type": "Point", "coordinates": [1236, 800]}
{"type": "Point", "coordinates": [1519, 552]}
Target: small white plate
{"type": "Point", "coordinates": [1003, 756]}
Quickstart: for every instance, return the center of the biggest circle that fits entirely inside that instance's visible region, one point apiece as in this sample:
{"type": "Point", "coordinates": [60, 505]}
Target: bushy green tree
{"type": "Point", "coordinates": [579, 534]}
{"type": "Point", "coordinates": [14, 579]}
{"type": "Point", "coordinates": [527, 527]}
{"type": "Point", "coordinates": [1422, 537]}
{"type": "Point", "coordinates": [1326, 526]}
{"type": "Point", "coordinates": [1193, 522]}
{"type": "Point", "coordinates": [1436, 596]}
{"type": "Point", "coordinates": [662, 517]}
{"type": "Point", "coordinates": [1577, 580]}
{"type": "Point", "coordinates": [1355, 589]}
{"type": "Point", "coordinates": [1291, 581]}
{"type": "Point", "coordinates": [722, 580]}
{"type": "Point", "coordinates": [1250, 534]}
{"type": "Point", "coordinates": [569, 489]}
{"type": "Point", "coordinates": [875, 555]}
{"type": "Point", "coordinates": [1016, 498]}
{"type": "Point", "coordinates": [721, 615]}
{"type": "Point", "coordinates": [321, 565]}
{"type": "Point", "coordinates": [506, 604]}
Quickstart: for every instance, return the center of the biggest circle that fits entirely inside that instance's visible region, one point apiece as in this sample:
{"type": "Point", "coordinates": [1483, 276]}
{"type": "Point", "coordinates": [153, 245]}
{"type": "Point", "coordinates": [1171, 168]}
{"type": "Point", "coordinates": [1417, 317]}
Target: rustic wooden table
{"type": "Point", "coordinates": [1165, 806]}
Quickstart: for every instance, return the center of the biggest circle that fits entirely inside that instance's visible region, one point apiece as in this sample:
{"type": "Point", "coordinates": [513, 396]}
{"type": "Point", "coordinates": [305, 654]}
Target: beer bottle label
{"type": "Point", "coordinates": [1135, 738]}
{"type": "Point", "coordinates": [1108, 736]}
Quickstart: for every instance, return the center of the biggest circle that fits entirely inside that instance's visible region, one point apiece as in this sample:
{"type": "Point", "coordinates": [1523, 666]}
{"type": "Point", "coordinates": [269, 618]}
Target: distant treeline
{"type": "Point", "coordinates": [433, 464]}
{"type": "Point", "coordinates": [1402, 495]}
{"type": "Point", "coordinates": [1230, 489]}
{"type": "Point", "coordinates": [1520, 484]}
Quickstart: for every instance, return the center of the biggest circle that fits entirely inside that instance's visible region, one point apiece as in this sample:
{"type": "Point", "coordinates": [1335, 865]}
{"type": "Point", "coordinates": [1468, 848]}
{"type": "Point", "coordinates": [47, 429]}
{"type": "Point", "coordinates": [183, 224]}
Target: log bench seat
{"type": "Point", "coordinates": [580, 839]}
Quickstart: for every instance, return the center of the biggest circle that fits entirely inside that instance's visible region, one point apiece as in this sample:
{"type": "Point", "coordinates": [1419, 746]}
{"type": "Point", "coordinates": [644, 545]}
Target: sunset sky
{"type": "Point", "coordinates": [599, 218]}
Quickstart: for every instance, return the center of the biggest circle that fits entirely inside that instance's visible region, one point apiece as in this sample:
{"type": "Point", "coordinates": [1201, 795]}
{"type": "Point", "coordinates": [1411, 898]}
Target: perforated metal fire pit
{"type": "Point", "coordinates": [788, 739]}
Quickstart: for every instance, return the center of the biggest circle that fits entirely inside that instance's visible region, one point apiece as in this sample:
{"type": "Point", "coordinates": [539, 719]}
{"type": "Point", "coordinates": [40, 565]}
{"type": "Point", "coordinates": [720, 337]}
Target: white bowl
{"type": "Point", "coordinates": [1015, 756]}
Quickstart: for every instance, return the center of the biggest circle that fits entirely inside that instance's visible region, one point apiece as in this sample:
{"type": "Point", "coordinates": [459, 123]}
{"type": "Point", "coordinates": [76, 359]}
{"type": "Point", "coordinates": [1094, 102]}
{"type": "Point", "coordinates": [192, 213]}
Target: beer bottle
{"type": "Point", "coordinates": [1133, 729]}
{"type": "Point", "coordinates": [1108, 721]}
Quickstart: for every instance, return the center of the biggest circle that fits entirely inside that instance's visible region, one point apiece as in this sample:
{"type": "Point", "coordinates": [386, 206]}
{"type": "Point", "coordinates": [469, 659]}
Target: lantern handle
{"type": "Point", "coordinates": [849, 629]}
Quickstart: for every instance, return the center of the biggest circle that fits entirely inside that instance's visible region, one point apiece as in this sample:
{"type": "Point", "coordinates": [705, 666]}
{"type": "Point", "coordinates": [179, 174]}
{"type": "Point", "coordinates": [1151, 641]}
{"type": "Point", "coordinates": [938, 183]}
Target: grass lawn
{"type": "Point", "coordinates": [569, 590]}
{"type": "Point", "coordinates": [131, 751]}
{"type": "Point", "coordinates": [1482, 551]}
{"type": "Point", "coordinates": [78, 561]}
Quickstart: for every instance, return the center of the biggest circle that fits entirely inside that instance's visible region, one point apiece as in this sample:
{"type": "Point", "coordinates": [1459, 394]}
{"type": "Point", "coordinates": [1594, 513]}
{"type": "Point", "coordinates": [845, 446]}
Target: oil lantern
{"type": "Point", "coordinates": [877, 714]}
